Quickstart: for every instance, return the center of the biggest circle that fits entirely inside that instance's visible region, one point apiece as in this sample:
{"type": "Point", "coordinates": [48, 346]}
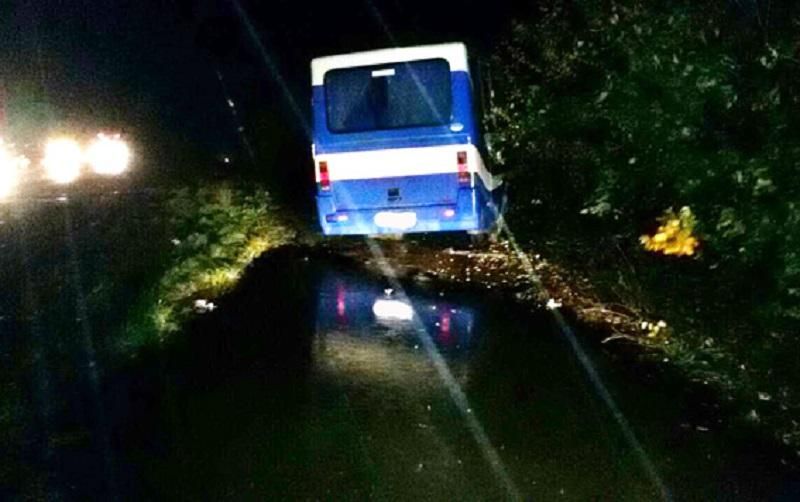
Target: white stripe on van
{"type": "Point", "coordinates": [397, 162]}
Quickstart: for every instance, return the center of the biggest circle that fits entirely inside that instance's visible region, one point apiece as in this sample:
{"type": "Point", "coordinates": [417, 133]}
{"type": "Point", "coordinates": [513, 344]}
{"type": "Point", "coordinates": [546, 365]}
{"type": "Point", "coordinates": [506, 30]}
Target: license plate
{"type": "Point", "coordinates": [400, 221]}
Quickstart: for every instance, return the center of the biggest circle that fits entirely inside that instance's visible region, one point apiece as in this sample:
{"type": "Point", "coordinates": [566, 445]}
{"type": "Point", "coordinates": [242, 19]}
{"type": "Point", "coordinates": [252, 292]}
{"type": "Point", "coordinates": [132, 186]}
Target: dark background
{"type": "Point", "coordinates": [162, 71]}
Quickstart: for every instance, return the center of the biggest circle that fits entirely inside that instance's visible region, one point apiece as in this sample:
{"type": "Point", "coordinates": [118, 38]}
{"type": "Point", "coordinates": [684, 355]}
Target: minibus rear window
{"type": "Point", "coordinates": [391, 96]}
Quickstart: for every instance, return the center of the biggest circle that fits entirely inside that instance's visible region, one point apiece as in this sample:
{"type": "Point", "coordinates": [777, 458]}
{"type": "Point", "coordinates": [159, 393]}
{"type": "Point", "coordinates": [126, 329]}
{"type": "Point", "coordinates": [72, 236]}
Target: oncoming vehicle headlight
{"type": "Point", "coordinates": [108, 155]}
{"type": "Point", "coordinates": [11, 166]}
{"type": "Point", "coordinates": [62, 160]}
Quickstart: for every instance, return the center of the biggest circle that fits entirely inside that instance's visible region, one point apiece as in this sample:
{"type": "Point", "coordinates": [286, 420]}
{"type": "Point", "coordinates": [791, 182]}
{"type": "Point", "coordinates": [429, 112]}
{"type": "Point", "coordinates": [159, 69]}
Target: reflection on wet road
{"type": "Point", "coordinates": [312, 380]}
{"type": "Point", "coordinates": [529, 397]}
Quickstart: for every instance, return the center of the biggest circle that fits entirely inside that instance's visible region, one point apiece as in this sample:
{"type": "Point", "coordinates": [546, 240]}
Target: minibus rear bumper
{"type": "Point", "coordinates": [473, 211]}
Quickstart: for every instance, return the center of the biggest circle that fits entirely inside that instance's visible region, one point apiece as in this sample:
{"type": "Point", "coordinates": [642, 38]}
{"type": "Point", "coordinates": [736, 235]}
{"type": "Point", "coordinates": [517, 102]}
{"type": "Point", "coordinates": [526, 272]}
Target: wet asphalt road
{"type": "Point", "coordinates": [311, 382]}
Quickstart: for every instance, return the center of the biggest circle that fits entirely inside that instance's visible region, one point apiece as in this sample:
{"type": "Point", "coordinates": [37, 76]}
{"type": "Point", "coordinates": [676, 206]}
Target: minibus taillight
{"type": "Point", "coordinates": [463, 169]}
{"type": "Point", "coordinates": [324, 177]}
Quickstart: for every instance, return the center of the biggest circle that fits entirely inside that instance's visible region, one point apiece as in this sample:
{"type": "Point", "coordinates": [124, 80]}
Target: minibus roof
{"type": "Point", "coordinates": [455, 53]}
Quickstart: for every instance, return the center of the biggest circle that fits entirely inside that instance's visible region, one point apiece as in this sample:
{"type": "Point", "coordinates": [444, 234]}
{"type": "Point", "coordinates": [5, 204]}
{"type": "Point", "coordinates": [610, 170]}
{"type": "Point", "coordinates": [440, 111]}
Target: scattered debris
{"type": "Point", "coordinates": [553, 304]}
{"type": "Point", "coordinates": [202, 306]}
{"type": "Point", "coordinates": [653, 329]}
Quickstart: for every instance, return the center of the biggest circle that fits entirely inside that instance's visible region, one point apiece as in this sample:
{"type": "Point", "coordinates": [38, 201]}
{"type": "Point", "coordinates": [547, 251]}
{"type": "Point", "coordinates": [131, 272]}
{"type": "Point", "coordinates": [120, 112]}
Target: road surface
{"type": "Point", "coordinates": [316, 379]}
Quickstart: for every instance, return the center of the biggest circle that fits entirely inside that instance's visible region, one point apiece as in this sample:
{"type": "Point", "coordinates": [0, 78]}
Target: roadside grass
{"type": "Point", "coordinates": [609, 115]}
{"type": "Point", "coordinates": [216, 232]}
{"type": "Point", "coordinates": [710, 339]}
{"type": "Point", "coordinates": [144, 257]}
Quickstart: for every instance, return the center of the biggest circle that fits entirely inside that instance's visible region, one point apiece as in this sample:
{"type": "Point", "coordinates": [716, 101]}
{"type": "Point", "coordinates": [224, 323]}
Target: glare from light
{"type": "Point", "coordinates": [62, 160]}
{"type": "Point", "coordinates": [11, 166]}
{"type": "Point", "coordinates": [392, 310]}
{"type": "Point", "coordinates": [108, 155]}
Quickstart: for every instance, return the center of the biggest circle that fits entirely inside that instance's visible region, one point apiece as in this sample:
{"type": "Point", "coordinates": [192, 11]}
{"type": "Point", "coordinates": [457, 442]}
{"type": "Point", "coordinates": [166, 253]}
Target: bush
{"type": "Point", "coordinates": [622, 110]}
{"type": "Point", "coordinates": [216, 233]}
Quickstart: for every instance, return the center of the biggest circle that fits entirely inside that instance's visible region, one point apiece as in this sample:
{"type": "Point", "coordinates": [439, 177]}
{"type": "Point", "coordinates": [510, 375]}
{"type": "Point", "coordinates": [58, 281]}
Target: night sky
{"type": "Point", "coordinates": [150, 68]}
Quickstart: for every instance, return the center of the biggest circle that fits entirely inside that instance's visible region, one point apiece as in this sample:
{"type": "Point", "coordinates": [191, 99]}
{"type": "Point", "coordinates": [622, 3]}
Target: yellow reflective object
{"type": "Point", "coordinates": [674, 235]}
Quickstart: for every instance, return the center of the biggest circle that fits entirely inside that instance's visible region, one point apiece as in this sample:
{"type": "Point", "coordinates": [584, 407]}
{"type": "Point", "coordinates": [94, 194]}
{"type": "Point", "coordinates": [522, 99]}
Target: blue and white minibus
{"type": "Point", "coordinates": [397, 145]}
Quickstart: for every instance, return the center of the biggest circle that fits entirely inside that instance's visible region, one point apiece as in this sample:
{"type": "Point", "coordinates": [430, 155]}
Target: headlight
{"type": "Point", "coordinates": [62, 160]}
{"type": "Point", "coordinates": [11, 166]}
{"type": "Point", "coordinates": [108, 155]}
